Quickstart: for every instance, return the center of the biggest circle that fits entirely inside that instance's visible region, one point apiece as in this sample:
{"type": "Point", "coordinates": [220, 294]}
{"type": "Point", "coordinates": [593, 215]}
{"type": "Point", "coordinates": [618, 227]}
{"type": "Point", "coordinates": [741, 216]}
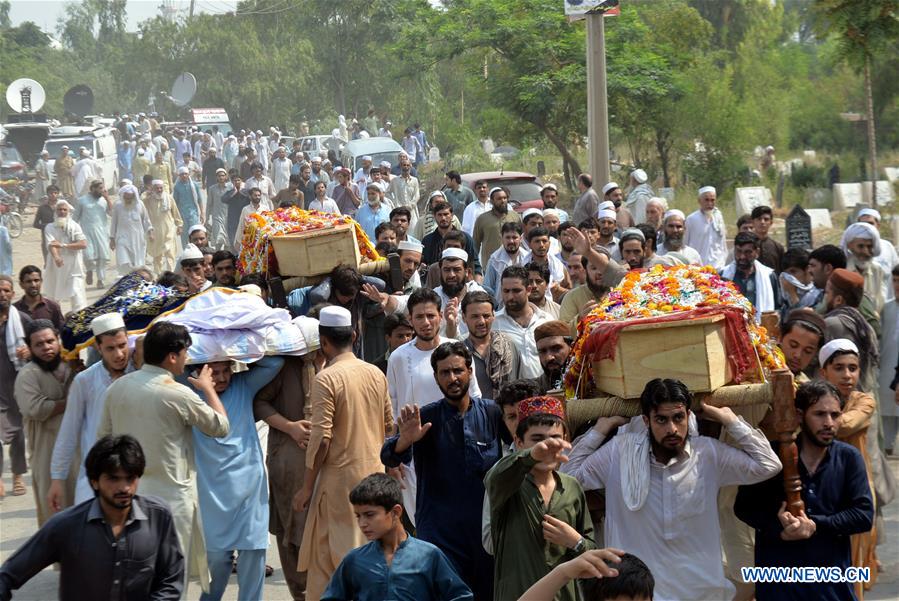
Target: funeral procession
{"type": "Point", "coordinates": [449, 300]}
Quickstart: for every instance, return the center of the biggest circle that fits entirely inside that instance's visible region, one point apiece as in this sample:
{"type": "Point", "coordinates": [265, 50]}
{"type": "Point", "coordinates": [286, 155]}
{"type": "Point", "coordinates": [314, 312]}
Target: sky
{"type": "Point", "coordinates": [45, 13]}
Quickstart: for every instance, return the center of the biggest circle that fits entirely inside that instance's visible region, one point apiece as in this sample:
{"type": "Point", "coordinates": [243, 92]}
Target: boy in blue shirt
{"type": "Point", "coordinates": [393, 565]}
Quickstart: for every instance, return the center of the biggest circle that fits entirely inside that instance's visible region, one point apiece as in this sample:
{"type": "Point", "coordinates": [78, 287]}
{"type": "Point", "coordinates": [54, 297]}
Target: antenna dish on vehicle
{"type": "Point", "coordinates": [25, 96]}
{"type": "Point", "coordinates": [183, 89]}
{"type": "Point", "coordinates": [79, 101]}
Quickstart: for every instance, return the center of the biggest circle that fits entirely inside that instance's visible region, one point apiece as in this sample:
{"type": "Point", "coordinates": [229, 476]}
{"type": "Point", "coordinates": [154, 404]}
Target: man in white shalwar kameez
{"type": "Point", "coordinates": [410, 377]}
{"type": "Point", "coordinates": [706, 231]}
{"type": "Point", "coordinates": [161, 414]}
{"type": "Point", "coordinates": [129, 230]}
{"type": "Point", "coordinates": [64, 271]}
{"type": "Point", "coordinates": [85, 171]}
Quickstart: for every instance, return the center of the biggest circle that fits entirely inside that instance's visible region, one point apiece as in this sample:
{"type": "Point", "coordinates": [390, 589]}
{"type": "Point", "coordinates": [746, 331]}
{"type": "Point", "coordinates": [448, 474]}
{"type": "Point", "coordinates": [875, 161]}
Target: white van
{"type": "Point", "coordinates": [102, 143]}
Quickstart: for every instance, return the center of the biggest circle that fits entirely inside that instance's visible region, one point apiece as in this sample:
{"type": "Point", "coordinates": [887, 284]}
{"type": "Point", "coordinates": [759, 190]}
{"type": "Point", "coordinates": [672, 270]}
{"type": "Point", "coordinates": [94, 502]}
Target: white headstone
{"type": "Point", "coordinates": [884, 193]}
{"type": "Point", "coordinates": [820, 218]}
{"type": "Point", "coordinates": [434, 154]}
{"type": "Point", "coordinates": [752, 197]}
{"type": "Point", "coordinates": [809, 155]}
{"type": "Point", "coordinates": [846, 196]}
{"type": "Point", "coordinates": [892, 173]}
{"type": "Point", "coordinates": [667, 194]}
{"type": "Point", "coordinates": [487, 145]}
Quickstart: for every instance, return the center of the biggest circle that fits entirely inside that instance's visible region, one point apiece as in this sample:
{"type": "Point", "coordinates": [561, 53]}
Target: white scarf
{"type": "Point", "coordinates": [764, 292]}
{"type": "Point", "coordinates": [15, 336]}
{"type": "Point", "coordinates": [634, 455]}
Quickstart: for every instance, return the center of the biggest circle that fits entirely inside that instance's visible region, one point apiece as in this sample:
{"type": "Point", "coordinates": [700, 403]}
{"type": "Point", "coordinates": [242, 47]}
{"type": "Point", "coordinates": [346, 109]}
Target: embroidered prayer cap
{"type": "Point", "coordinates": [410, 246]}
{"type": "Point", "coordinates": [540, 405]}
{"type": "Point", "coordinates": [609, 187]}
{"type": "Point", "coordinates": [107, 323]}
{"type": "Point", "coordinates": [190, 252]}
{"type": "Point", "coordinates": [435, 193]}
{"type": "Point", "coordinates": [674, 213]}
{"type": "Point", "coordinates": [606, 205]}
{"type": "Point", "coordinates": [707, 189]}
{"type": "Point", "coordinates": [548, 187]}
{"type": "Point", "coordinates": [632, 233]}
{"type": "Point", "coordinates": [840, 344]}
{"type": "Point", "coordinates": [868, 212]}
{"type": "Point", "coordinates": [845, 279]}
{"type": "Point", "coordinates": [639, 176]}
{"type": "Point", "coordinates": [532, 211]}
{"type": "Point", "coordinates": [548, 329]}
{"type": "Point", "coordinates": [454, 253]}
{"type": "Point", "coordinates": [607, 214]}
{"type": "Point", "coordinates": [335, 317]}
{"type": "Point", "coordinates": [196, 228]}
{"type": "Point", "coordinates": [861, 230]}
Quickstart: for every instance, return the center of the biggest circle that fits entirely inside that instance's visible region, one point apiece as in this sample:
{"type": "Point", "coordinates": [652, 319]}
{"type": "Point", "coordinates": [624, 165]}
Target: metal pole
{"type": "Point", "coordinates": [597, 103]}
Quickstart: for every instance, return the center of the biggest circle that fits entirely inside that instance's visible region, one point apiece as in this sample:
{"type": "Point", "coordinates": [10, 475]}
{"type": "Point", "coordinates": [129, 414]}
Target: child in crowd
{"type": "Point", "coordinates": [629, 580]}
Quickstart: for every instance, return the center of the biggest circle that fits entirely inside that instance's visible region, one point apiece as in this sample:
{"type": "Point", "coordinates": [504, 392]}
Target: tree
{"type": "Point", "coordinates": [863, 28]}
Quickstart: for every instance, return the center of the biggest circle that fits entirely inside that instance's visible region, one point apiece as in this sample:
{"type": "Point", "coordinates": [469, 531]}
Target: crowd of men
{"type": "Point", "coordinates": [420, 452]}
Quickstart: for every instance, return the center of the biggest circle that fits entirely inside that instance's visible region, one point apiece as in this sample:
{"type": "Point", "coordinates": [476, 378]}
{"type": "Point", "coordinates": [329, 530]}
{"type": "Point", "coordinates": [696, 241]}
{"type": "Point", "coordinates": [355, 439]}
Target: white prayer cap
{"type": "Point", "coordinates": [47, 152]}
{"type": "Point", "coordinates": [840, 344]}
{"type": "Point", "coordinates": [196, 228]}
{"type": "Point", "coordinates": [157, 182]}
{"type": "Point", "coordinates": [436, 193]}
{"type": "Point", "coordinates": [252, 289]}
{"type": "Point", "coordinates": [769, 149]}
{"type": "Point", "coordinates": [609, 187]}
{"type": "Point", "coordinates": [606, 205]}
{"type": "Point", "coordinates": [63, 203]}
{"type": "Point", "coordinates": [532, 211]}
{"type": "Point", "coordinates": [335, 317]}
{"type": "Point", "coordinates": [632, 232]}
{"type": "Point", "coordinates": [674, 213]}
{"type": "Point", "coordinates": [410, 246]}
{"type": "Point", "coordinates": [385, 164]}
{"type": "Point", "coordinates": [182, 170]}
{"type": "Point", "coordinates": [869, 213]}
{"type": "Point", "coordinates": [127, 189]}
{"type": "Point", "coordinates": [126, 182]}
{"type": "Point", "coordinates": [861, 230]}
{"type": "Point", "coordinates": [64, 147]}
{"type": "Point", "coordinates": [140, 151]}
{"type": "Point", "coordinates": [454, 253]}
{"type": "Point", "coordinates": [707, 189]}
{"type": "Point", "coordinates": [607, 214]}
{"type": "Point", "coordinates": [107, 323]}
{"type": "Point", "coordinates": [316, 159]}
{"type": "Point", "coordinates": [492, 190]}
{"type": "Point", "coordinates": [662, 202]}
{"type": "Point", "coordinates": [551, 212]}
{"type": "Point", "coordinates": [639, 176]}
{"type": "Point", "coordinates": [549, 187]}
{"type": "Point", "coordinates": [220, 170]}
{"type": "Point", "coordinates": [190, 252]}
{"type": "Point", "coordinates": [367, 157]}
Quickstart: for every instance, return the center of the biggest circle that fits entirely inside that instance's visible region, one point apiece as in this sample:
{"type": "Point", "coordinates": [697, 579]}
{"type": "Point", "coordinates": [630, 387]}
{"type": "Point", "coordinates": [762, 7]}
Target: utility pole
{"type": "Point", "coordinates": [191, 15]}
{"type": "Point", "coordinates": [597, 102]}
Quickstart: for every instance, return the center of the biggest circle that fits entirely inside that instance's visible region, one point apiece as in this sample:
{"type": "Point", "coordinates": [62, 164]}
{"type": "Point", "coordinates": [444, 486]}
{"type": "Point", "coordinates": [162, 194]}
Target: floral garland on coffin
{"type": "Point", "coordinates": [665, 294]}
{"type": "Point", "coordinates": [256, 252]}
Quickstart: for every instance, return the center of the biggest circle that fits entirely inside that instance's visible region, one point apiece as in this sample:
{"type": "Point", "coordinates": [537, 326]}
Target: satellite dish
{"type": "Point", "coordinates": [25, 96]}
{"type": "Point", "coordinates": [79, 101]}
{"type": "Point", "coordinates": [183, 89]}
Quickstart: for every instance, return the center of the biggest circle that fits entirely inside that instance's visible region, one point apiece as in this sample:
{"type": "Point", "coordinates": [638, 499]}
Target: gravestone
{"type": "Point", "coordinates": [752, 197]}
{"type": "Point", "coordinates": [667, 194]}
{"type": "Point", "coordinates": [799, 229]}
{"type": "Point", "coordinates": [541, 168]}
{"type": "Point", "coordinates": [819, 218]}
{"type": "Point", "coordinates": [809, 155]}
{"type": "Point", "coordinates": [434, 154]}
{"type": "Point", "coordinates": [892, 173]}
{"type": "Point", "coordinates": [846, 196]}
{"type": "Point", "coordinates": [884, 193]}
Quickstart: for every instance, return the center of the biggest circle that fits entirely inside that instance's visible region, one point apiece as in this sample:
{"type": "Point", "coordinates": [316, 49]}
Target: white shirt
{"type": "Point", "coordinates": [471, 214]}
{"type": "Point", "coordinates": [264, 184]}
{"type": "Point", "coordinates": [499, 260]}
{"type": "Point", "coordinates": [326, 206]}
{"type": "Point", "coordinates": [676, 530]}
{"type": "Point", "coordinates": [461, 328]}
{"type": "Point", "coordinates": [689, 252]}
{"type": "Point", "coordinates": [707, 234]}
{"type": "Point", "coordinates": [84, 408]}
{"type": "Point", "coordinates": [242, 222]}
{"type": "Point", "coordinates": [523, 339]}
{"type": "Point", "coordinates": [281, 173]}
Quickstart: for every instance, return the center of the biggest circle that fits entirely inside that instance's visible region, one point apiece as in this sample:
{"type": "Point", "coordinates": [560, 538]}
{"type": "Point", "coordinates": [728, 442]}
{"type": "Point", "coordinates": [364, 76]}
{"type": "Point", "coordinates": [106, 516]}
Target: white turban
{"type": "Point", "coordinates": [609, 187]}
{"type": "Point", "coordinates": [861, 230]}
{"type": "Point", "coordinates": [662, 202]}
{"type": "Point", "coordinates": [674, 213]}
{"type": "Point", "coordinates": [707, 189]}
{"type": "Point", "coordinates": [607, 214]}
{"type": "Point", "coordinates": [639, 176]}
{"type": "Point", "coordinates": [63, 203]}
{"type": "Point", "coordinates": [129, 189]}
{"type": "Point", "coordinates": [606, 205]}
{"type": "Point", "coordinates": [840, 344]}
{"type": "Point", "coordinates": [157, 182]}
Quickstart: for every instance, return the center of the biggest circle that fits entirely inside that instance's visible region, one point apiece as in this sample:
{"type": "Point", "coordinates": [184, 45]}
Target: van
{"type": "Point", "coordinates": [101, 142]}
{"type": "Point", "coordinates": [379, 149]}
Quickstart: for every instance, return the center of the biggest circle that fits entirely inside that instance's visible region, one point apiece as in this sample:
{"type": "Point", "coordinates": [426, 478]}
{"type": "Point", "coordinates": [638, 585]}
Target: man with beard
{"type": "Point", "coordinates": [63, 170]}
{"type": "Point", "coordinates": [487, 235]}
{"type": "Point", "coordinates": [33, 303]}
{"type": "Point", "coordinates": [553, 340]}
{"type": "Point", "coordinates": [454, 442]}
{"type": "Point", "coordinates": [606, 218]}
{"type": "Point", "coordinates": [40, 392]}
{"type": "Point", "coordinates": [142, 562]}
{"type": "Point", "coordinates": [404, 191]}
{"type": "Point", "coordinates": [631, 247]}
{"type": "Point", "coordinates": [519, 318]}
{"type": "Point", "coordinates": [495, 358]}
{"type": "Point", "coordinates": [197, 236]}
{"type": "Point", "coordinates": [757, 282]}
{"type": "Point", "coordinates": [861, 243]}
{"type": "Point", "coordinates": [84, 407]}
{"type": "Point", "coordinates": [191, 263]}
{"type": "Point", "coordinates": [672, 241]}
{"type": "Point", "coordinates": [706, 231]}
{"type": "Point", "coordinates": [540, 243]}
{"type": "Point", "coordinates": [639, 195]}
{"type": "Point", "coordinates": [587, 203]}
{"type": "Point", "coordinates": [92, 214]}
{"type": "Point", "coordinates": [454, 285]}
{"type": "Point", "coordinates": [510, 253]}
{"type": "Point", "coordinates": [662, 482]}
{"type": "Point", "coordinates": [583, 299]}
{"type": "Point", "coordinates": [129, 230]}
{"type": "Point", "coordinates": [374, 211]}
{"type": "Point", "coordinates": [549, 194]}
{"type": "Point", "coordinates": [433, 242]}
{"type": "Point", "coordinates": [837, 497]}
{"type": "Point", "coordinates": [167, 224]}
{"type": "Point", "coordinates": [801, 336]}
{"type": "Point", "coordinates": [13, 355]}
{"type": "Point", "coordinates": [538, 283]}
{"type": "Point", "coordinates": [842, 296]}
{"type": "Point", "coordinates": [552, 221]}
{"type": "Point", "coordinates": [216, 210]}
{"type": "Point", "coordinates": [224, 268]}
{"type": "Point", "coordinates": [65, 268]}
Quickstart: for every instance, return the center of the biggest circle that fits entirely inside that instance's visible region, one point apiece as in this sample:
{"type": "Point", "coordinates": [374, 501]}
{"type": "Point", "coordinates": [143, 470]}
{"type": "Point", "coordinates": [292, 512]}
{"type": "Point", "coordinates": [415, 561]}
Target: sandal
{"type": "Point", "coordinates": [18, 486]}
{"type": "Point", "coordinates": [269, 570]}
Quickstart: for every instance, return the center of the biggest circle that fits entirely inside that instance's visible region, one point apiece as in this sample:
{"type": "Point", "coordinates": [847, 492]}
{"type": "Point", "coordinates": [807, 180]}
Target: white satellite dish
{"type": "Point", "coordinates": [25, 96]}
{"type": "Point", "coordinates": [183, 89]}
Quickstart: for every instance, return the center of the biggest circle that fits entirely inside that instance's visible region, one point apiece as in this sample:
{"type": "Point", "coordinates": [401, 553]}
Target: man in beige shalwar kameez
{"type": "Point", "coordinates": [351, 416]}
{"type": "Point", "coordinates": [62, 168]}
{"type": "Point", "coordinates": [40, 392]}
{"type": "Point", "coordinates": [161, 413]}
{"type": "Point", "coordinates": [167, 224]}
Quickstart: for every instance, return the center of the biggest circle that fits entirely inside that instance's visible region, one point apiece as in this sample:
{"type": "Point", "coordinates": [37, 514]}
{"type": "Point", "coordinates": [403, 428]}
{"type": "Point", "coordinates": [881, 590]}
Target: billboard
{"type": "Point", "coordinates": [579, 8]}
